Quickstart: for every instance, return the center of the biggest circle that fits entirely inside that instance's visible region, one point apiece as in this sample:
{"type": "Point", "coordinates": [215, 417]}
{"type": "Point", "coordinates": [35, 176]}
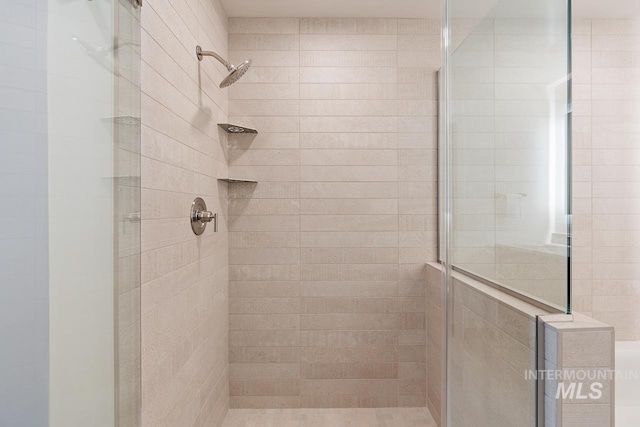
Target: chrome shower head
{"type": "Point", "coordinates": [235, 71]}
{"type": "Point", "coordinates": [236, 74]}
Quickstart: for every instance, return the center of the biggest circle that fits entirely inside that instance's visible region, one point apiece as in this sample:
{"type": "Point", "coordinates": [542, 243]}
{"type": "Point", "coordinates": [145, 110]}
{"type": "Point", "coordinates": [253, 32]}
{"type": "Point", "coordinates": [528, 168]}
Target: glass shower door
{"type": "Point", "coordinates": [69, 213]}
{"type": "Point", "coordinates": [507, 200]}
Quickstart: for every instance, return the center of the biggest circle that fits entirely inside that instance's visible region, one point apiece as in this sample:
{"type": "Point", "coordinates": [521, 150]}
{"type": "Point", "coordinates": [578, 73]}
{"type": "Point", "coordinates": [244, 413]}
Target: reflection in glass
{"type": "Point", "coordinates": [509, 98]}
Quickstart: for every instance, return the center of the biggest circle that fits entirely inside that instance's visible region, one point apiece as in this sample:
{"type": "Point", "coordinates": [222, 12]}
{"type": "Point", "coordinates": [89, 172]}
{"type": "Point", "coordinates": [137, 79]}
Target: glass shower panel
{"type": "Point", "coordinates": [69, 213]}
{"type": "Point", "coordinates": [127, 208]}
{"type": "Point", "coordinates": [509, 102]}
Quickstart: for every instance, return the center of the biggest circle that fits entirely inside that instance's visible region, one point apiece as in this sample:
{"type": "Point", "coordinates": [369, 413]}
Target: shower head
{"type": "Point", "coordinates": [235, 71]}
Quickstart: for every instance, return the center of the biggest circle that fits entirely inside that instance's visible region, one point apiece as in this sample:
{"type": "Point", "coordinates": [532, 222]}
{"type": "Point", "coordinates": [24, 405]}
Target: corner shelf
{"type": "Point", "coordinates": [236, 129]}
{"type": "Point", "coordinates": [237, 180]}
{"type": "Point", "coordinates": [123, 120]}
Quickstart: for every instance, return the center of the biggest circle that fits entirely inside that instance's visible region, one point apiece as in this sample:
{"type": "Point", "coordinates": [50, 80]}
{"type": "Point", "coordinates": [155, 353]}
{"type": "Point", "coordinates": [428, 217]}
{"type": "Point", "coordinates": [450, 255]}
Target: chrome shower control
{"type": "Point", "coordinates": [206, 216]}
{"type": "Point", "coordinates": [200, 217]}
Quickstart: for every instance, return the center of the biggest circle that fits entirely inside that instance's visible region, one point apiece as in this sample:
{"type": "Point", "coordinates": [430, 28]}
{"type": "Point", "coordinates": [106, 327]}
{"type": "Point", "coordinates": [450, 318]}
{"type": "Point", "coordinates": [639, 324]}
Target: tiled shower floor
{"type": "Point", "coordinates": [356, 417]}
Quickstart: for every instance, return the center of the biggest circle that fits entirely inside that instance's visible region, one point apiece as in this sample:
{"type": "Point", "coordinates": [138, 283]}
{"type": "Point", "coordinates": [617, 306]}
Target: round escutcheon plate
{"type": "Point", "coordinates": [198, 225]}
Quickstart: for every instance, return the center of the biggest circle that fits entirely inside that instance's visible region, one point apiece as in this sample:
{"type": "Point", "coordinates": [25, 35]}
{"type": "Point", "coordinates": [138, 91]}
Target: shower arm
{"type": "Point", "coordinates": [200, 53]}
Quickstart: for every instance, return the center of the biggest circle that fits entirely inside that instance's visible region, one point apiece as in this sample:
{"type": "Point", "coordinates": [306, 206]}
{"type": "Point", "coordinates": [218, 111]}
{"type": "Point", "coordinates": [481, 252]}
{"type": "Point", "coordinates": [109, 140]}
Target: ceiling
{"type": "Point", "coordinates": [405, 8]}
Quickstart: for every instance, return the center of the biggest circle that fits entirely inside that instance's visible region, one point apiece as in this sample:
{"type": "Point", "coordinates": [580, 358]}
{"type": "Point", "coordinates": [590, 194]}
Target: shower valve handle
{"type": "Point", "coordinates": [206, 216]}
{"type": "Point", "coordinates": [200, 217]}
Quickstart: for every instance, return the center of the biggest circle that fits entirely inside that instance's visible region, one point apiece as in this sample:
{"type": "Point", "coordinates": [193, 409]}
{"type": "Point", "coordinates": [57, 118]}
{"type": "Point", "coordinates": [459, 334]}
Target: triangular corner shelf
{"type": "Point", "coordinates": [237, 180]}
{"type": "Point", "coordinates": [236, 129]}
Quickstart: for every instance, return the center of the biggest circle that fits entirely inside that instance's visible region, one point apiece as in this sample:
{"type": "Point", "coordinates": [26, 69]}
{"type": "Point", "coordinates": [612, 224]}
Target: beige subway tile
{"type": "Point", "coordinates": [263, 223]}
{"type": "Point", "coordinates": [263, 207]}
{"type": "Point", "coordinates": [326, 401]}
{"type": "Point", "coordinates": [334, 74]}
{"type": "Point", "coordinates": [348, 222]}
{"type": "Point", "coordinates": [271, 75]}
{"type": "Point", "coordinates": [419, 26]}
{"type": "Point", "coordinates": [409, 287]}
{"type": "Point", "coordinates": [263, 157]}
{"type": "Point", "coordinates": [344, 339]}
{"type": "Point", "coordinates": [337, 305]}
{"type": "Point", "coordinates": [350, 354]}
{"type": "Point", "coordinates": [348, 173]}
{"type": "Point", "coordinates": [349, 239]}
{"type": "Point", "coordinates": [353, 370]}
{"type": "Point", "coordinates": [349, 272]}
{"type": "Point", "coordinates": [266, 173]}
{"type": "Point", "coordinates": [264, 141]}
{"type": "Point", "coordinates": [264, 338]}
{"type": "Point", "coordinates": [264, 240]}
{"type": "Point", "coordinates": [264, 354]}
{"type": "Point", "coordinates": [418, 255]}
{"type": "Point", "coordinates": [353, 58]}
{"type": "Point", "coordinates": [333, 26]}
{"type": "Point", "coordinates": [412, 387]}
{"type": "Point", "coordinates": [375, 288]}
{"type": "Point", "coordinates": [350, 321]}
{"type": "Point", "coordinates": [348, 108]}
{"type": "Point", "coordinates": [347, 42]}
{"type": "Point", "coordinates": [348, 91]}
{"type": "Point", "coordinates": [586, 349]}
{"type": "Point", "coordinates": [265, 58]}
{"type": "Point", "coordinates": [268, 124]}
{"type": "Point", "coordinates": [264, 256]}
{"type": "Point", "coordinates": [261, 322]}
{"type": "Point", "coordinates": [424, 59]}
{"type": "Point", "coordinates": [349, 157]}
{"type": "Point", "coordinates": [264, 190]}
{"type": "Point", "coordinates": [354, 387]}
{"type": "Point", "coordinates": [356, 124]}
{"type": "Point", "coordinates": [412, 353]}
{"type": "Point", "coordinates": [264, 25]}
{"type": "Point", "coordinates": [264, 107]}
{"type": "Point", "coordinates": [349, 255]}
{"type": "Point", "coordinates": [262, 91]}
{"type": "Point", "coordinates": [263, 41]}
{"type": "Point", "coordinates": [349, 206]}
{"type": "Point", "coordinates": [264, 370]}
{"type": "Point", "coordinates": [339, 190]}
{"type": "Point", "coordinates": [264, 401]}
{"type": "Point", "coordinates": [263, 289]}
{"type": "Point", "coordinates": [264, 272]}
{"type": "Point", "coordinates": [419, 42]}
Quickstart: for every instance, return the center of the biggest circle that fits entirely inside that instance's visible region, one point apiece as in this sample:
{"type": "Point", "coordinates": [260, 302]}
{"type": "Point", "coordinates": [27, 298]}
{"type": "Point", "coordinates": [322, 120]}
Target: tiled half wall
{"type": "Point", "coordinates": [491, 345]}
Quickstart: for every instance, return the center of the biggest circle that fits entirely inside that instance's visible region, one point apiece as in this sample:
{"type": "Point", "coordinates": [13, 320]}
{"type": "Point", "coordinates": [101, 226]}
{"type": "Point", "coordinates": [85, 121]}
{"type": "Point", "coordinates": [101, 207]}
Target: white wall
{"type": "Point", "coordinates": [80, 91]}
{"type": "Point", "coordinates": [24, 353]}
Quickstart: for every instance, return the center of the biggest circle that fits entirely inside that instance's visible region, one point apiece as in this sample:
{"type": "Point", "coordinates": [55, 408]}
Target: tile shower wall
{"type": "Point", "coordinates": [184, 277]}
{"type": "Point", "coordinates": [327, 251]}
{"type": "Point", "coordinates": [606, 270]}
